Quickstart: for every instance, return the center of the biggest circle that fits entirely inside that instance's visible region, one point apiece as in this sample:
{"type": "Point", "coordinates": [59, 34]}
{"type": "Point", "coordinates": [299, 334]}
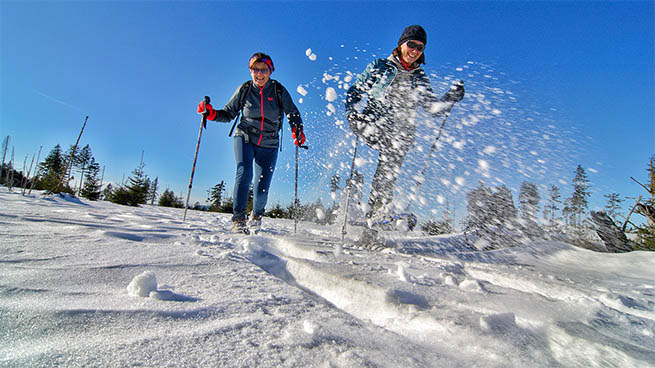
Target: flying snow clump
{"type": "Point", "coordinates": [310, 54]}
{"type": "Point", "coordinates": [330, 94]}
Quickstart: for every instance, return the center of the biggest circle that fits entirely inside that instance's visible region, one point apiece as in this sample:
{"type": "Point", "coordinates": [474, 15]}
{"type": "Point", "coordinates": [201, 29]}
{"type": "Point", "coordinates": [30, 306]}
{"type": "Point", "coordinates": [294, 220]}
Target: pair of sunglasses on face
{"type": "Point", "coordinates": [260, 71]}
{"type": "Point", "coordinates": [414, 45]}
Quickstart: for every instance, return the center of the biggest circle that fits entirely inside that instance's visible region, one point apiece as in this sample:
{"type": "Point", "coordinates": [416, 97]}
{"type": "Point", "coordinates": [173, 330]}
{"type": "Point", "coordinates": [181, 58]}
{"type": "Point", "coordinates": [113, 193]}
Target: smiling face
{"type": "Point", "coordinates": [409, 54]}
{"type": "Point", "coordinates": [260, 73]}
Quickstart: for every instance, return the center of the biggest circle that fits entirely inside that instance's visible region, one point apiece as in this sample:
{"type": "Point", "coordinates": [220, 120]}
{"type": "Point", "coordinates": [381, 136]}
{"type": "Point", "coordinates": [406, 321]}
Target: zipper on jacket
{"type": "Point", "coordinates": [261, 106]}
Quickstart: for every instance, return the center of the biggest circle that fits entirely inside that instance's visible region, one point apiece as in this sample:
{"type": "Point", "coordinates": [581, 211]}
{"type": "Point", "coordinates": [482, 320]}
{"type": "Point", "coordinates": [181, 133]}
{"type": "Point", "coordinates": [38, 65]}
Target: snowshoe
{"type": "Point", "coordinates": [255, 224]}
{"type": "Point", "coordinates": [240, 227]}
{"type": "Point", "coordinates": [371, 239]}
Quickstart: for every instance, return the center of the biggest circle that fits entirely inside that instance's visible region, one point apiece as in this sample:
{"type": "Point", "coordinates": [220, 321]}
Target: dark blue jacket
{"type": "Point", "coordinates": [261, 117]}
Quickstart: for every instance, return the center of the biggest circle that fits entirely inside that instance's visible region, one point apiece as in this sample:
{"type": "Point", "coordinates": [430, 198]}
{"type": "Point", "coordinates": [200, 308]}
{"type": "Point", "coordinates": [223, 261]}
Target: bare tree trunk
{"type": "Point", "coordinates": [27, 178]}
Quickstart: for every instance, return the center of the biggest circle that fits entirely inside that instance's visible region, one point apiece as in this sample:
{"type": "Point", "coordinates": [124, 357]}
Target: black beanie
{"type": "Point", "coordinates": [414, 32]}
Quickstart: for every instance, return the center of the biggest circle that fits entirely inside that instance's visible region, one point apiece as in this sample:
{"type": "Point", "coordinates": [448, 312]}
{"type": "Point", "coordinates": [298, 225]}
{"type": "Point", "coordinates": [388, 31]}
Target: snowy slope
{"type": "Point", "coordinates": [71, 273]}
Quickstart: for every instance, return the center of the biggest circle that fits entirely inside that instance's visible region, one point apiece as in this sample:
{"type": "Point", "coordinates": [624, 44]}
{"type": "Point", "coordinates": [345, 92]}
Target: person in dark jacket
{"type": "Point", "coordinates": [381, 108]}
{"type": "Point", "coordinates": [262, 102]}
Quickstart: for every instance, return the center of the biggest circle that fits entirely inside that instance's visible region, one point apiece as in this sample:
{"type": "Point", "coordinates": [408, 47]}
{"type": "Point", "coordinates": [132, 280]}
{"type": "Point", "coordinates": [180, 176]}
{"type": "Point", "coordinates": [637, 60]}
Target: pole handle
{"type": "Point", "coordinates": [204, 113]}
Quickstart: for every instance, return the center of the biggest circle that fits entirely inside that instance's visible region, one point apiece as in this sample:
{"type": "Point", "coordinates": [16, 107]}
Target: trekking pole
{"type": "Point", "coordinates": [295, 200]}
{"type": "Point", "coordinates": [203, 124]}
{"type": "Point", "coordinates": [420, 178]}
{"type": "Point", "coordinates": [349, 185]}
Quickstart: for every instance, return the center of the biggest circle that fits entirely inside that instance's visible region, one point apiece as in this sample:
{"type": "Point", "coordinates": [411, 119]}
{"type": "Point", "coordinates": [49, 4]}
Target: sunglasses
{"type": "Point", "coordinates": [414, 45]}
{"type": "Point", "coordinates": [260, 71]}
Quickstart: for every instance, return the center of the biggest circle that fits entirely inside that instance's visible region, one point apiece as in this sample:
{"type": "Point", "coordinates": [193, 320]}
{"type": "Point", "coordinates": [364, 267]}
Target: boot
{"type": "Point", "coordinates": [255, 223]}
{"type": "Point", "coordinates": [239, 226]}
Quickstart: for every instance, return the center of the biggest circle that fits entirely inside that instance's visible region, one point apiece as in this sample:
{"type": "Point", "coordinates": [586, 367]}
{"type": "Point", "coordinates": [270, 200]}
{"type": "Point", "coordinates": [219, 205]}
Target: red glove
{"type": "Point", "coordinates": [298, 135]}
{"type": "Point", "coordinates": [207, 110]}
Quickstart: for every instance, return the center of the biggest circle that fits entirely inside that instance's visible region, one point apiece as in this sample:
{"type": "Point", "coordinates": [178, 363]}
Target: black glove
{"type": "Point", "coordinates": [366, 128]}
{"type": "Point", "coordinates": [456, 93]}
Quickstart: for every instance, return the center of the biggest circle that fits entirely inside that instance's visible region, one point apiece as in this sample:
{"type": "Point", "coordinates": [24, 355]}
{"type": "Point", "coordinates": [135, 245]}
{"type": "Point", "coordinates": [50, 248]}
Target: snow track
{"type": "Point", "coordinates": [396, 310]}
{"type": "Point", "coordinates": [404, 309]}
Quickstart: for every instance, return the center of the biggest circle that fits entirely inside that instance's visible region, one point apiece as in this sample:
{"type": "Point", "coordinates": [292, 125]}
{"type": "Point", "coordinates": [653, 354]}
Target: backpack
{"type": "Point", "coordinates": [243, 94]}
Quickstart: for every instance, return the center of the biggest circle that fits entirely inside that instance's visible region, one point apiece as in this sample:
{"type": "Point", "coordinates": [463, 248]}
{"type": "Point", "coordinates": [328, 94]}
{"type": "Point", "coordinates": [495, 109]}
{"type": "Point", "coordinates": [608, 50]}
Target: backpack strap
{"type": "Point", "coordinates": [278, 96]}
{"type": "Point", "coordinates": [243, 94]}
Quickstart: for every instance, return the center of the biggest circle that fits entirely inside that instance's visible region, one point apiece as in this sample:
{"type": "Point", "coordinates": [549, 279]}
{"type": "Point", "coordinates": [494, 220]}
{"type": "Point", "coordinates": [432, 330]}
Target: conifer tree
{"type": "Point", "coordinates": [169, 199]}
{"type": "Point", "coordinates": [91, 188]}
{"type": "Point", "coordinates": [477, 207]}
{"type": "Point", "coordinates": [81, 161]}
{"type": "Point", "coordinates": [552, 205]}
{"type": "Point", "coordinates": [578, 202]}
{"type": "Point", "coordinates": [107, 192]}
{"type": "Point", "coordinates": [215, 198]}
{"type": "Point", "coordinates": [50, 169]}
{"type": "Point", "coordinates": [137, 189]}
{"type": "Point", "coordinates": [529, 200]}
{"type": "Point", "coordinates": [139, 185]}
{"type": "Point", "coordinates": [277, 212]}
{"type": "Point", "coordinates": [613, 205]}
{"type": "Point", "coordinates": [502, 203]}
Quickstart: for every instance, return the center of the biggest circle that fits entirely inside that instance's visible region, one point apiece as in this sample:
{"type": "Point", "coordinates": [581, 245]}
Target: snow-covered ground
{"type": "Point", "coordinates": [97, 284]}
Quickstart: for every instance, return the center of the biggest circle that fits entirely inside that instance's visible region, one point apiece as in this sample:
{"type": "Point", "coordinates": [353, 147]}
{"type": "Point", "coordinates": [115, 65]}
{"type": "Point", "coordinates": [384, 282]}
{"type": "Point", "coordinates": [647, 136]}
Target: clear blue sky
{"type": "Point", "coordinates": [138, 70]}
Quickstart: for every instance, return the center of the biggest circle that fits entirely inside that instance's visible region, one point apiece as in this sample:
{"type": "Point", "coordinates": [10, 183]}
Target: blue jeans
{"type": "Point", "coordinates": [265, 159]}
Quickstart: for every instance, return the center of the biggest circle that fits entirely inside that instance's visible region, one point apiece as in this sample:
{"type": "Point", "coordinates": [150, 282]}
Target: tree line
{"type": "Point", "coordinates": [493, 216]}
{"type": "Point", "coordinates": [492, 213]}
{"type": "Point", "coordinates": [56, 172]}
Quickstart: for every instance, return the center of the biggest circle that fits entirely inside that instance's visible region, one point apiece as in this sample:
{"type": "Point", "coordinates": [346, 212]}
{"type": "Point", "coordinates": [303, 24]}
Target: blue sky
{"type": "Point", "coordinates": [585, 70]}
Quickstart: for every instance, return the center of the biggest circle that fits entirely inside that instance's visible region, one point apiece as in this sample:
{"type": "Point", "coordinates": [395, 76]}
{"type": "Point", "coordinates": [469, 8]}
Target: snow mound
{"type": "Point", "coordinates": [143, 284]}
